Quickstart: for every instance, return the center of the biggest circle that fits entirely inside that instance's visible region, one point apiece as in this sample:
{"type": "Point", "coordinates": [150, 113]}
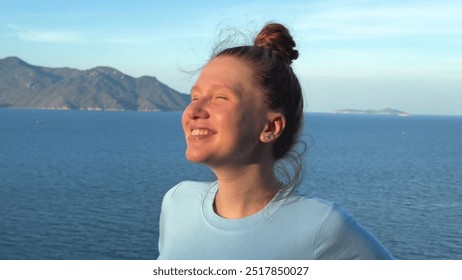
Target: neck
{"type": "Point", "coordinates": [244, 191]}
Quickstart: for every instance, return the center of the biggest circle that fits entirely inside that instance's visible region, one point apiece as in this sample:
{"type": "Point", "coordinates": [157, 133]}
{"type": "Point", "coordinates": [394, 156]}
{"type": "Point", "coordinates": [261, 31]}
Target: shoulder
{"type": "Point", "coordinates": [340, 236]}
{"type": "Point", "coordinates": [334, 233]}
{"type": "Point", "coordinates": [187, 191]}
{"type": "Point", "coordinates": [312, 208]}
{"type": "Point", "coordinates": [183, 199]}
{"type": "Point", "coordinates": [188, 187]}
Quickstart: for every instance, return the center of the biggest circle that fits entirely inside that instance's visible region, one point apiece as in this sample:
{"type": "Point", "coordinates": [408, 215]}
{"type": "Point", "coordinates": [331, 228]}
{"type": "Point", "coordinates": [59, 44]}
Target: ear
{"type": "Point", "coordinates": [274, 127]}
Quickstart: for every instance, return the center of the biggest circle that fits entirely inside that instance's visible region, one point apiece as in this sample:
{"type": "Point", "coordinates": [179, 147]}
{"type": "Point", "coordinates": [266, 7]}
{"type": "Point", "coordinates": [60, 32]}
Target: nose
{"type": "Point", "coordinates": [197, 110]}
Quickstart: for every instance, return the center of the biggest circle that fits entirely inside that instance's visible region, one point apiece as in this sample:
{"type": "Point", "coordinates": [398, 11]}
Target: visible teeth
{"type": "Point", "coordinates": [200, 132]}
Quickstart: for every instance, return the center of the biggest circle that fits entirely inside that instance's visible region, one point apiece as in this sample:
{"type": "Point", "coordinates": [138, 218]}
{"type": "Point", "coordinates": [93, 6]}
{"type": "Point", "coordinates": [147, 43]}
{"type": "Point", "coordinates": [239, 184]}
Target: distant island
{"type": "Point", "coordinates": [101, 88]}
{"type": "Point", "coordinates": [385, 111]}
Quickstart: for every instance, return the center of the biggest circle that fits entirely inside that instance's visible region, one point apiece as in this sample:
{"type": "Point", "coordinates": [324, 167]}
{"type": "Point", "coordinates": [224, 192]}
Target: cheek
{"type": "Point", "coordinates": [184, 121]}
{"type": "Point", "coordinates": [245, 127]}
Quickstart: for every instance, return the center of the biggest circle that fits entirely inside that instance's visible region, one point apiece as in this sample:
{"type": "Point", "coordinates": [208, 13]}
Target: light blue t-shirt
{"type": "Point", "coordinates": [287, 228]}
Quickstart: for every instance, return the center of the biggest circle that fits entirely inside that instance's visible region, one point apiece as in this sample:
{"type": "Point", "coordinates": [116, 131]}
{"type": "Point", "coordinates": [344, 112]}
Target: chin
{"type": "Point", "coordinates": [196, 158]}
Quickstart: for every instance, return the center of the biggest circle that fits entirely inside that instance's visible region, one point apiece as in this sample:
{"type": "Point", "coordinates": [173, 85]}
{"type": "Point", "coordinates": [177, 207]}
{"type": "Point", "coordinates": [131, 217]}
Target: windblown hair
{"type": "Point", "coordinates": [271, 58]}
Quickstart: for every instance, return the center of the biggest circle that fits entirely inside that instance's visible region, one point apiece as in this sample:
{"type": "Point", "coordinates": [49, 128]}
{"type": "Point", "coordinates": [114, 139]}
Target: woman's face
{"type": "Point", "coordinates": [227, 115]}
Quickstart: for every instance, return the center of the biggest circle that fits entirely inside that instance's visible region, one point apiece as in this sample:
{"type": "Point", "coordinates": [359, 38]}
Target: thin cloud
{"type": "Point", "coordinates": [130, 40]}
{"type": "Point", "coordinates": [379, 22]}
{"type": "Point", "coordinates": [45, 36]}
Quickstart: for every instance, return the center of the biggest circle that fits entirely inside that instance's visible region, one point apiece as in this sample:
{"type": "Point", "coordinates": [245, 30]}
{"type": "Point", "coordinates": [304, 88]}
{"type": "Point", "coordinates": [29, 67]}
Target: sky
{"type": "Point", "coordinates": [405, 55]}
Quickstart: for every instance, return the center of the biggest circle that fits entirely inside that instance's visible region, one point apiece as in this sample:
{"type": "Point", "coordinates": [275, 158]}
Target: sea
{"type": "Point", "coordinates": [89, 184]}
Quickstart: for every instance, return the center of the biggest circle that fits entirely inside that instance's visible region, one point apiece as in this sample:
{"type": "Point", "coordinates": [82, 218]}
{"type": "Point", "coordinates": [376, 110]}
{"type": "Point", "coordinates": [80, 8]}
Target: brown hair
{"type": "Point", "coordinates": [271, 57]}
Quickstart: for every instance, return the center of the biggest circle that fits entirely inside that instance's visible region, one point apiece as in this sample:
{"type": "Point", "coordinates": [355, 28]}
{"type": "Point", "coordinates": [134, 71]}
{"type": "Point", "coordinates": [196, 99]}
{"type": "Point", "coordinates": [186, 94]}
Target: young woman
{"type": "Point", "coordinates": [245, 115]}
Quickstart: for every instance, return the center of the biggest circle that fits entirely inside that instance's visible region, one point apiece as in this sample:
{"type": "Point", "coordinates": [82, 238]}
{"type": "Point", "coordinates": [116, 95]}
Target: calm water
{"type": "Point", "coordinates": [88, 185]}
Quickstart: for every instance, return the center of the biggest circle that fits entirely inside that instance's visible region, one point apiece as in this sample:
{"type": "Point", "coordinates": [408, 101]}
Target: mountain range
{"type": "Point", "coordinates": [100, 88]}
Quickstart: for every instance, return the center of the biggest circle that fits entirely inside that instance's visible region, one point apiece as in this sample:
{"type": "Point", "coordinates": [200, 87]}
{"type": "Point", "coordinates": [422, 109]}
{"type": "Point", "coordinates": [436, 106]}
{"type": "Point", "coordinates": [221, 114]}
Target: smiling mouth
{"type": "Point", "coordinates": [201, 132]}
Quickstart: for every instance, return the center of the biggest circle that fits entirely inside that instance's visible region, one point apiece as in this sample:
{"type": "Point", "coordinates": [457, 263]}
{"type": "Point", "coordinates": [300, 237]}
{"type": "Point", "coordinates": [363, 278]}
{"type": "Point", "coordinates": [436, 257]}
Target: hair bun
{"type": "Point", "coordinates": [277, 38]}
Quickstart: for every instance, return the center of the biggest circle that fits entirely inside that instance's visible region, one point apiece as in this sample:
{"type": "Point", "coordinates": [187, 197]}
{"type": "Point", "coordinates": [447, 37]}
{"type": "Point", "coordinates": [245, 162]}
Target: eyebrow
{"type": "Point", "coordinates": [219, 87]}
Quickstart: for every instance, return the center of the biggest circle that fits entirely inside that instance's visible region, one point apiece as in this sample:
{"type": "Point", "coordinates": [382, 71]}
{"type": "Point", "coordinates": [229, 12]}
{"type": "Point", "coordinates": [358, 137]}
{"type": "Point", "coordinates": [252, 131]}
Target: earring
{"type": "Point", "coordinates": [267, 137]}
